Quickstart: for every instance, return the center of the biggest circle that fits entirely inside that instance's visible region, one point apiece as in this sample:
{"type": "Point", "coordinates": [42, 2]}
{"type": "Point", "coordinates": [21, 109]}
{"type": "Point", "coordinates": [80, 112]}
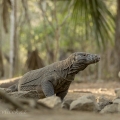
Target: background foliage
{"type": "Point", "coordinates": [50, 30]}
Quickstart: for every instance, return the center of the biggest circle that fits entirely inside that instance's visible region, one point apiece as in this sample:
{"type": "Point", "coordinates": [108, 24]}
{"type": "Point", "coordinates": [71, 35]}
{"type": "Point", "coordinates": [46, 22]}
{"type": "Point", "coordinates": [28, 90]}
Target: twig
{"type": "Point", "coordinates": [45, 15]}
{"type": "Point", "coordinates": [69, 13]}
{"type": "Point", "coordinates": [25, 6]}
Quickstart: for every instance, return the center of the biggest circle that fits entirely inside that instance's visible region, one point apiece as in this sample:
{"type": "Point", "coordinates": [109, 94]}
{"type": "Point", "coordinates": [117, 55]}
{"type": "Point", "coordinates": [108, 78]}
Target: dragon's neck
{"type": "Point", "coordinates": [70, 69]}
{"type": "Point", "coordinates": [64, 67]}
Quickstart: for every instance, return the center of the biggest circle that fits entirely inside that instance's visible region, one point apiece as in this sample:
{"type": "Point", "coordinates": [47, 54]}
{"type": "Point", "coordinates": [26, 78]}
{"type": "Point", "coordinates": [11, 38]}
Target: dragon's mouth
{"type": "Point", "coordinates": [97, 59]}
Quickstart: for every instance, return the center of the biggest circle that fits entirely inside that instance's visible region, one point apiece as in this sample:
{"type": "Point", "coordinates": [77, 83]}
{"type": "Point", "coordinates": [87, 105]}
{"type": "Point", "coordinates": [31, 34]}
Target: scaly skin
{"type": "Point", "coordinates": [57, 77]}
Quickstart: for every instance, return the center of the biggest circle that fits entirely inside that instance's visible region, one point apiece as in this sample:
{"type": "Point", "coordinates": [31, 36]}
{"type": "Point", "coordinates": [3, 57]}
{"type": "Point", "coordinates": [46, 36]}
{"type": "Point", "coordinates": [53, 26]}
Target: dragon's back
{"type": "Point", "coordinates": [34, 77]}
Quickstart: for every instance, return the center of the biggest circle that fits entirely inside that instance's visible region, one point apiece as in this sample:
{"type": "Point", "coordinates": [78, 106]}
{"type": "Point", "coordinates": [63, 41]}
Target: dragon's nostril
{"type": "Point", "coordinates": [98, 57]}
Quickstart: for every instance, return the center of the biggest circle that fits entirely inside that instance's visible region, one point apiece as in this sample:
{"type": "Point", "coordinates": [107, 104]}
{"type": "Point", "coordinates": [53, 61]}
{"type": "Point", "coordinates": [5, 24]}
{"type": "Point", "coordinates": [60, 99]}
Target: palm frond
{"type": "Point", "coordinates": [95, 12]}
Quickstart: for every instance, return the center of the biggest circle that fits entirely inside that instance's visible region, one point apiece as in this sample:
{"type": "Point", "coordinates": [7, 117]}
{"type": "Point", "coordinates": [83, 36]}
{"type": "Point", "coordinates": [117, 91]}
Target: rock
{"type": "Point", "coordinates": [103, 99]}
{"type": "Point", "coordinates": [66, 104]}
{"type": "Point", "coordinates": [4, 90]}
{"type": "Point", "coordinates": [97, 108]}
{"type": "Point", "coordinates": [113, 108]}
{"type": "Point", "coordinates": [102, 102]}
{"type": "Point", "coordinates": [116, 101]}
{"type": "Point", "coordinates": [52, 102]}
{"type": "Point", "coordinates": [28, 102]}
{"type": "Point", "coordinates": [25, 94]}
{"type": "Point", "coordinates": [119, 108]}
{"type": "Point", "coordinates": [89, 96]}
{"type": "Point", "coordinates": [84, 103]}
{"type": "Point", "coordinates": [117, 92]}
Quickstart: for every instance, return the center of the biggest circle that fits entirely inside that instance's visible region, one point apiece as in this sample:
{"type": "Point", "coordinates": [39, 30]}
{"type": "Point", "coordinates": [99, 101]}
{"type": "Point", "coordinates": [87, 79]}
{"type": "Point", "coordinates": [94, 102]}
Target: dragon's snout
{"type": "Point", "coordinates": [92, 58]}
{"type": "Point", "coordinates": [86, 58]}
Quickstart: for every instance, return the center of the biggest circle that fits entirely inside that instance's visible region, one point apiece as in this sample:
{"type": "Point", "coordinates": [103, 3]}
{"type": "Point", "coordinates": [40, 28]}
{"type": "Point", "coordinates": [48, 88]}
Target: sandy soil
{"type": "Point", "coordinates": [76, 90]}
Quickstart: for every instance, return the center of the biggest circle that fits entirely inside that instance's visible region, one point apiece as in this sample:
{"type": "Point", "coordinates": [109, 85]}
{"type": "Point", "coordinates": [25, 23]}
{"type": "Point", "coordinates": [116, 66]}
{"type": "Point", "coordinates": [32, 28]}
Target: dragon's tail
{"type": "Point", "coordinates": [11, 85]}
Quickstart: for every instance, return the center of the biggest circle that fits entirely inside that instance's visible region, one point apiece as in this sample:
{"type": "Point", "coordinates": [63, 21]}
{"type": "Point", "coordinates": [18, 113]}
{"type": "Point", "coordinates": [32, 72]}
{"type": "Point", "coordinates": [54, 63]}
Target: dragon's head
{"type": "Point", "coordinates": [80, 60]}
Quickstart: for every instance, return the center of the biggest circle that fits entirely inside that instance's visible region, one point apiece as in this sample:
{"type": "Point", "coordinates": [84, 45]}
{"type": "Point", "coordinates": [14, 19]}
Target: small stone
{"type": "Point", "coordinates": [52, 102]}
{"type": "Point", "coordinates": [113, 108]}
{"type": "Point", "coordinates": [116, 101]}
{"type": "Point", "coordinates": [103, 99]}
{"type": "Point", "coordinates": [66, 104]}
{"type": "Point", "coordinates": [28, 102]}
{"type": "Point", "coordinates": [84, 103]}
{"type": "Point", "coordinates": [102, 102]}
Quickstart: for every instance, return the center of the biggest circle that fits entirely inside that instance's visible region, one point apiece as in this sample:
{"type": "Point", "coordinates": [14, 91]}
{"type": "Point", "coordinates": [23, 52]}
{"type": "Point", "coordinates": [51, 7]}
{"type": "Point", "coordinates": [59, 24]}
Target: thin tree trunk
{"type": "Point", "coordinates": [117, 40]}
{"type": "Point", "coordinates": [1, 37]}
{"type": "Point", "coordinates": [25, 6]}
{"type": "Point", "coordinates": [1, 57]}
{"type": "Point", "coordinates": [13, 39]}
{"type": "Point", "coordinates": [43, 8]}
{"type": "Point", "coordinates": [57, 37]}
{"type": "Point", "coordinates": [50, 51]}
{"type": "Point", "coordinates": [57, 33]}
{"type": "Point", "coordinates": [15, 65]}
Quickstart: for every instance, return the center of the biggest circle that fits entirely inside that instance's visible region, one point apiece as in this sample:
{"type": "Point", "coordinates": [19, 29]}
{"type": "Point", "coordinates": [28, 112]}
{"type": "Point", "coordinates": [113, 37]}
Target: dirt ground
{"type": "Point", "coordinates": [76, 90]}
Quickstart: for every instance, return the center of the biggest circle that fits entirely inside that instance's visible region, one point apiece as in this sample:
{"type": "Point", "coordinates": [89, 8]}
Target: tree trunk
{"type": "Point", "coordinates": [1, 65]}
{"type": "Point", "coordinates": [57, 33]}
{"type": "Point", "coordinates": [117, 40]}
{"type": "Point", "coordinates": [57, 37]}
{"type": "Point", "coordinates": [15, 65]}
{"type": "Point", "coordinates": [1, 57]}
{"type": "Point", "coordinates": [13, 40]}
{"type": "Point", "coordinates": [34, 61]}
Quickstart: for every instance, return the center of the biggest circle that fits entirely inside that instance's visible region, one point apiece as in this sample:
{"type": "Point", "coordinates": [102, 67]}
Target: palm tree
{"type": "Point", "coordinates": [100, 23]}
{"type": "Point", "coordinates": [117, 41]}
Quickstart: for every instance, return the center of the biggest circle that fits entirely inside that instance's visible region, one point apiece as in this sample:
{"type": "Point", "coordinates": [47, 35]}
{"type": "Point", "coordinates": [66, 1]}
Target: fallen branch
{"type": "Point", "coordinates": [12, 101]}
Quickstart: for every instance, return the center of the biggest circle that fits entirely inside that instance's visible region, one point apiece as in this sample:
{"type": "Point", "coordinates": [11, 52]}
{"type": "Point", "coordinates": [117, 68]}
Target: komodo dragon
{"type": "Point", "coordinates": [57, 77]}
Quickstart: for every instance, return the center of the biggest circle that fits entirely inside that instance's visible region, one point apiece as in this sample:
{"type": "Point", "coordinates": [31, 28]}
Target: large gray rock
{"type": "Point", "coordinates": [84, 103]}
{"type": "Point", "coordinates": [119, 108]}
{"type": "Point", "coordinates": [113, 108]}
{"type": "Point", "coordinates": [117, 92]}
{"type": "Point", "coordinates": [89, 96]}
{"type": "Point", "coordinates": [52, 102]}
{"type": "Point", "coordinates": [103, 99]}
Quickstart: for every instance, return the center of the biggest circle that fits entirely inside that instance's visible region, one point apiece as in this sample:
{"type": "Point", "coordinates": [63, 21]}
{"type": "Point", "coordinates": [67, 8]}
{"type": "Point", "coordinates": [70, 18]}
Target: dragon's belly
{"type": "Point", "coordinates": [34, 87]}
